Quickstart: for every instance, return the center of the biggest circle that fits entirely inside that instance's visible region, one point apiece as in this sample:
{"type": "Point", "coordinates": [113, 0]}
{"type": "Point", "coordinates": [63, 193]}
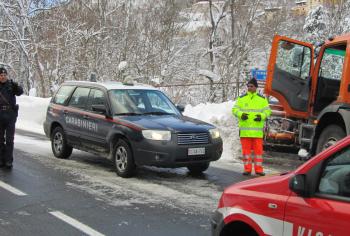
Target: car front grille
{"type": "Point", "coordinates": [192, 138]}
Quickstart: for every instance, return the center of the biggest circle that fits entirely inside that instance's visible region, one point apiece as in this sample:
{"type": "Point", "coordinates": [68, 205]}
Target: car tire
{"type": "Point", "coordinates": [329, 136]}
{"type": "Point", "coordinates": [59, 145]}
{"type": "Point", "coordinates": [198, 168]}
{"type": "Point", "coordinates": [123, 160]}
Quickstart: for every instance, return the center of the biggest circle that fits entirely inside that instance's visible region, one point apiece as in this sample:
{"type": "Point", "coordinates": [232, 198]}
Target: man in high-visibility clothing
{"type": "Point", "coordinates": [252, 109]}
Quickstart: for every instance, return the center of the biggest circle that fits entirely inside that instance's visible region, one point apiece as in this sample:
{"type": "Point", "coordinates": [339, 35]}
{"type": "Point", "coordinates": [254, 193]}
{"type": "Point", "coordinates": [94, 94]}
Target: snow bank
{"type": "Point", "coordinates": [32, 113]}
{"type": "Point", "coordinates": [219, 115]}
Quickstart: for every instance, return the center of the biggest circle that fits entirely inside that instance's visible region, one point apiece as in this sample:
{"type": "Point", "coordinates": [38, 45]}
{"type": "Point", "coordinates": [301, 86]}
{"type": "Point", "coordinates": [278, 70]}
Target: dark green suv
{"type": "Point", "coordinates": [131, 125]}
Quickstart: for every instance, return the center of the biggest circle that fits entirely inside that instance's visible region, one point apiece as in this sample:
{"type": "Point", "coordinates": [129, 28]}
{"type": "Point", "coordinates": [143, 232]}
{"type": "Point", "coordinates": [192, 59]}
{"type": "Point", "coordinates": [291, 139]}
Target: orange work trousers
{"type": "Point", "coordinates": [255, 145]}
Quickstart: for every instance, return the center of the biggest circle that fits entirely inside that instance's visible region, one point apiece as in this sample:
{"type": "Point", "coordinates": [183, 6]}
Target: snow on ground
{"type": "Point", "coordinates": [32, 114]}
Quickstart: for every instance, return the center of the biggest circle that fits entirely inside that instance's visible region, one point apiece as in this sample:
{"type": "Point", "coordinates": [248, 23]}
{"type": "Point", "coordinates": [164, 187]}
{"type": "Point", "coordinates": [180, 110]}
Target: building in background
{"type": "Point", "coordinates": [302, 7]}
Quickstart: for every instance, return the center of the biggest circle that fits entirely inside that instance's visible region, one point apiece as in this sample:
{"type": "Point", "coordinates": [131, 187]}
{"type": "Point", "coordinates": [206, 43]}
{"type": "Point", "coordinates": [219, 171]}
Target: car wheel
{"type": "Point", "coordinates": [59, 145]}
{"type": "Point", "coordinates": [329, 136]}
{"type": "Point", "coordinates": [123, 159]}
{"type": "Point", "coordinates": [198, 168]}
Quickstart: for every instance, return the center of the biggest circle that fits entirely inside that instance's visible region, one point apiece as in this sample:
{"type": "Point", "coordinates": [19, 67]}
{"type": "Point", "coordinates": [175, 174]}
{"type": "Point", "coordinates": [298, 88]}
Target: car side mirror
{"type": "Point", "coordinates": [298, 185]}
{"type": "Point", "coordinates": [99, 108]}
{"type": "Point", "coordinates": [180, 108]}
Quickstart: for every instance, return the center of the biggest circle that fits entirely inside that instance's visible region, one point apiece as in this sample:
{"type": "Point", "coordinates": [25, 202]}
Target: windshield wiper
{"type": "Point", "coordinates": [157, 113]}
{"type": "Point", "coordinates": [128, 114]}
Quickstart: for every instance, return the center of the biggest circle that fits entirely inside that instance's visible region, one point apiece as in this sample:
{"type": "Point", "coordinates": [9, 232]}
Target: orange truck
{"type": "Point", "coordinates": [312, 86]}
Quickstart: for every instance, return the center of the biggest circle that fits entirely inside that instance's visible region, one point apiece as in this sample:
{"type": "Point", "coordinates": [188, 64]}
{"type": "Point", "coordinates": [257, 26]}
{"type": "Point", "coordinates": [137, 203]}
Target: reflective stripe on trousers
{"type": "Point", "coordinates": [248, 164]}
{"type": "Point", "coordinates": [258, 165]}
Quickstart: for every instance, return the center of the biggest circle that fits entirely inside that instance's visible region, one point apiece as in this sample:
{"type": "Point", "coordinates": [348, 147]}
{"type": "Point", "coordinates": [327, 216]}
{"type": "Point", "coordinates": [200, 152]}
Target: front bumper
{"type": "Point", "coordinates": [169, 154]}
{"type": "Point", "coordinates": [217, 223]}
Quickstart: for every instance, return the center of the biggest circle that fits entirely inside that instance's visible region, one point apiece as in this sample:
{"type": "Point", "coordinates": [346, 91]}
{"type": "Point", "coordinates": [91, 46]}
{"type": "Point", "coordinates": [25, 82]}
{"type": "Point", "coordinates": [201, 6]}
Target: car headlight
{"type": "Point", "coordinates": [214, 133]}
{"type": "Point", "coordinates": [157, 134]}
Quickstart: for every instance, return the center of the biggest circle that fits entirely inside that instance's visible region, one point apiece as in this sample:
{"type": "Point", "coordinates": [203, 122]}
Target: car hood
{"type": "Point", "coordinates": [168, 122]}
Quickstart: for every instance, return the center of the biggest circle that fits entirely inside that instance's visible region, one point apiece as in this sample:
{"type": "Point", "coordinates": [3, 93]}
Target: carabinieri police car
{"type": "Point", "coordinates": [132, 125]}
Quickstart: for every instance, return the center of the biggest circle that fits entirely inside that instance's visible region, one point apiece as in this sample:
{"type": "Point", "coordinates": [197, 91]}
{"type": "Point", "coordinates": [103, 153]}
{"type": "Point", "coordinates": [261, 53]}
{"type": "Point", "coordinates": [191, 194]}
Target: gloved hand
{"type": "Point", "coordinates": [14, 85]}
{"type": "Point", "coordinates": [16, 88]}
{"type": "Point", "coordinates": [244, 116]}
{"type": "Point", "coordinates": [257, 117]}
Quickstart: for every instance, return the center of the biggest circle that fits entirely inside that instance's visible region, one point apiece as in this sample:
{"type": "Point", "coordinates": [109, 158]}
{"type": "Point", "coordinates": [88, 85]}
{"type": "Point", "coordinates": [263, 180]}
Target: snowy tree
{"type": "Point", "coordinates": [316, 24]}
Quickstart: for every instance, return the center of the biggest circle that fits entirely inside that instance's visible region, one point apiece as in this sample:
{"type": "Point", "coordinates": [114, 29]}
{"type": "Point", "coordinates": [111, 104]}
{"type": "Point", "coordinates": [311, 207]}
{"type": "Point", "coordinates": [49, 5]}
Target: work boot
{"type": "Point", "coordinates": [261, 174]}
{"type": "Point", "coordinates": [246, 173]}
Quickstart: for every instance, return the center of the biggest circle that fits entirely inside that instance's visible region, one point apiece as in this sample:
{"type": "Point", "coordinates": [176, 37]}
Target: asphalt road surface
{"type": "Point", "coordinates": [43, 195]}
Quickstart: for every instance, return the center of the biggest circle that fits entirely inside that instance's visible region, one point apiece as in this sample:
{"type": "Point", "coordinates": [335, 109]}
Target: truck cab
{"type": "Point", "coordinates": [312, 86]}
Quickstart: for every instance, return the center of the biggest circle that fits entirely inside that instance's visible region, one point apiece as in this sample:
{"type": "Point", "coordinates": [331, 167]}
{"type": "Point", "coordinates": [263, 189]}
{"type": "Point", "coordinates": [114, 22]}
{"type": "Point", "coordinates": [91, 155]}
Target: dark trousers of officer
{"type": "Point", "coordinates": [7, 132]}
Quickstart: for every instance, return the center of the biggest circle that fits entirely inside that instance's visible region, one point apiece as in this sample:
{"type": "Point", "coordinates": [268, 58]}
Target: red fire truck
{"type": "Point", "coordinates": [313, 200]}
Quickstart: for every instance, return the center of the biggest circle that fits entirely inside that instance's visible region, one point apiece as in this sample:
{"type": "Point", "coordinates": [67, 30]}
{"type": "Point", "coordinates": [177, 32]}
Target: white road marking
{"type": "Point", "coordinates": [12, 189]}
{"type": "Point", "coordinates": [76, 224]}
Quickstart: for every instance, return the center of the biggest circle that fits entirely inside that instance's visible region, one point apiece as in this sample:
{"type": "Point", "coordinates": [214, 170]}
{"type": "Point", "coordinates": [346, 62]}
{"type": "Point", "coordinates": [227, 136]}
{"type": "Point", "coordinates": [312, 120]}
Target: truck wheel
{"type": "Point", "coordinates": [59, 145]}
{"type": "Point", "coordinates": [329, 136]}
{"type": "Point", "coordinates": [198, 168]}
{"type": "Point", "coordinates": [123, 160]}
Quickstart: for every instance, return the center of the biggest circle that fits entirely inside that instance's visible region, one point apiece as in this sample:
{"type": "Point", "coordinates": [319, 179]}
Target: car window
{"type": "Point", "coordinates": [335, 179]}
{"type": "Point", "coordinates": [158, 103]}
{"type": "Point", "coordinates": [63, 94]}
{"type": "Point", "coordinates": [96, 97]}
{"type": "Point", "coordinates": [79, 98]}
{"type": "Point", "coordinates": [140, 102]}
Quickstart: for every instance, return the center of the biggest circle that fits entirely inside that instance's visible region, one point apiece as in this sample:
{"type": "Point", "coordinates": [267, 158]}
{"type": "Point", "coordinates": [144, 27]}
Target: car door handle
{"type": "Point", "coordinates": [65, 112]}
{"type": "Point", "coordinates": [85, 117]}
{"type": "Point", "coordinates": [272, 206]}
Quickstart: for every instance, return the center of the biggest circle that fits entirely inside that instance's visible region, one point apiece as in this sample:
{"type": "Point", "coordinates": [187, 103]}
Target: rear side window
{"type": "Point", "coordinates": [97, 97]}
{"type": "Point", "coordinates": [79, 98]}
{"type": "Point", "coordinates": [63, 94]}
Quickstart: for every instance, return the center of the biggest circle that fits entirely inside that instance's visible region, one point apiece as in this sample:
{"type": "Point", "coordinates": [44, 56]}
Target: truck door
{"type": "Point", "coordinates": [288, 75]}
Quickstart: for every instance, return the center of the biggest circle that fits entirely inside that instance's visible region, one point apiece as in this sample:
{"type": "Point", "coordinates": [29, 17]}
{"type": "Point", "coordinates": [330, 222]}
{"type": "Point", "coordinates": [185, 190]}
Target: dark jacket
{"type": "Point", "coordinates": [9, 90]}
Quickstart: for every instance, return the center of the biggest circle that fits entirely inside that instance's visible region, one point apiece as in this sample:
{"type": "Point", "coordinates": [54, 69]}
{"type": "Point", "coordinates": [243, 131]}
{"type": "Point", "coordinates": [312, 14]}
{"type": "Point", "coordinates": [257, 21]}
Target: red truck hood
{"type": "Point", "coordinates": [278, 184]}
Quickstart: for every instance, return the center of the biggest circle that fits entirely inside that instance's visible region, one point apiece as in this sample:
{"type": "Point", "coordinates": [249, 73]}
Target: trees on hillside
{"type": "Point", "coordinates": [45, 42]}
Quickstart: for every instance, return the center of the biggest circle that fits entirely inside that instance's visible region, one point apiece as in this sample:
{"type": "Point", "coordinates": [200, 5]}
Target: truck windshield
{"type": "Point", "coordinates": [332, 63]}
{"type": "Point", "coordinates": [141, 102]}
{"type": "Point", "coordinates": [329, 76]}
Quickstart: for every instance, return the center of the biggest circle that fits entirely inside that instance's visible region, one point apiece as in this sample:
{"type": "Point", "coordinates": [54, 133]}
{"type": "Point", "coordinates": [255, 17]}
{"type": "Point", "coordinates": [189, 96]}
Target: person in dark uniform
{"type": "Point", "coordinates": [8, 117]}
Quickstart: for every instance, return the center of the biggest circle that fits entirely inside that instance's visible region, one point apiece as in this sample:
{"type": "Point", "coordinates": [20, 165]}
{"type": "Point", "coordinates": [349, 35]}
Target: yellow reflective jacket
{"type": "Point", "coordinates": [252, 104]}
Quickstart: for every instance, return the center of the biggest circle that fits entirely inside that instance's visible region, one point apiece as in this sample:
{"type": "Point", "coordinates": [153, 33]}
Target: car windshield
{"type": "Point", "coordinates": [141, 102]}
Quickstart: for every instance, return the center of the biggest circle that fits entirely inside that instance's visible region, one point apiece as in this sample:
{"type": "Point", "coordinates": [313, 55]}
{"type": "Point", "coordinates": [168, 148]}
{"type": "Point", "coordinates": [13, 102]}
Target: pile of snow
{"type": "Point", "coordinates": [32, 113]}
{"type": "Point", "coordinates": [219, 115]}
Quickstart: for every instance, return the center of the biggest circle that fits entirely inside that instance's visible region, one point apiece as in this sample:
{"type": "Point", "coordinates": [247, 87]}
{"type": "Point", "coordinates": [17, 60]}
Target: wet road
{"type": "Point", "coordinates": [43, 195]}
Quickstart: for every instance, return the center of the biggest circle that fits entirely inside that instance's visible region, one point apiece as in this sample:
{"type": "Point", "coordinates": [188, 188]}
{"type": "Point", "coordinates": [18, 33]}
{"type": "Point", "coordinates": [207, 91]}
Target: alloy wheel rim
{"type": "Point", "coordinates": [121, 156]}
{"type": "Point", "coordinates": [58, 142]}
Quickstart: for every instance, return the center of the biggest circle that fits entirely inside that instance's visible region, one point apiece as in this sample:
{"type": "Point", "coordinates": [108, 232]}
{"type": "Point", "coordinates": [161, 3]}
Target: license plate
{"type": "Point", "coordinates": [196, 151]}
